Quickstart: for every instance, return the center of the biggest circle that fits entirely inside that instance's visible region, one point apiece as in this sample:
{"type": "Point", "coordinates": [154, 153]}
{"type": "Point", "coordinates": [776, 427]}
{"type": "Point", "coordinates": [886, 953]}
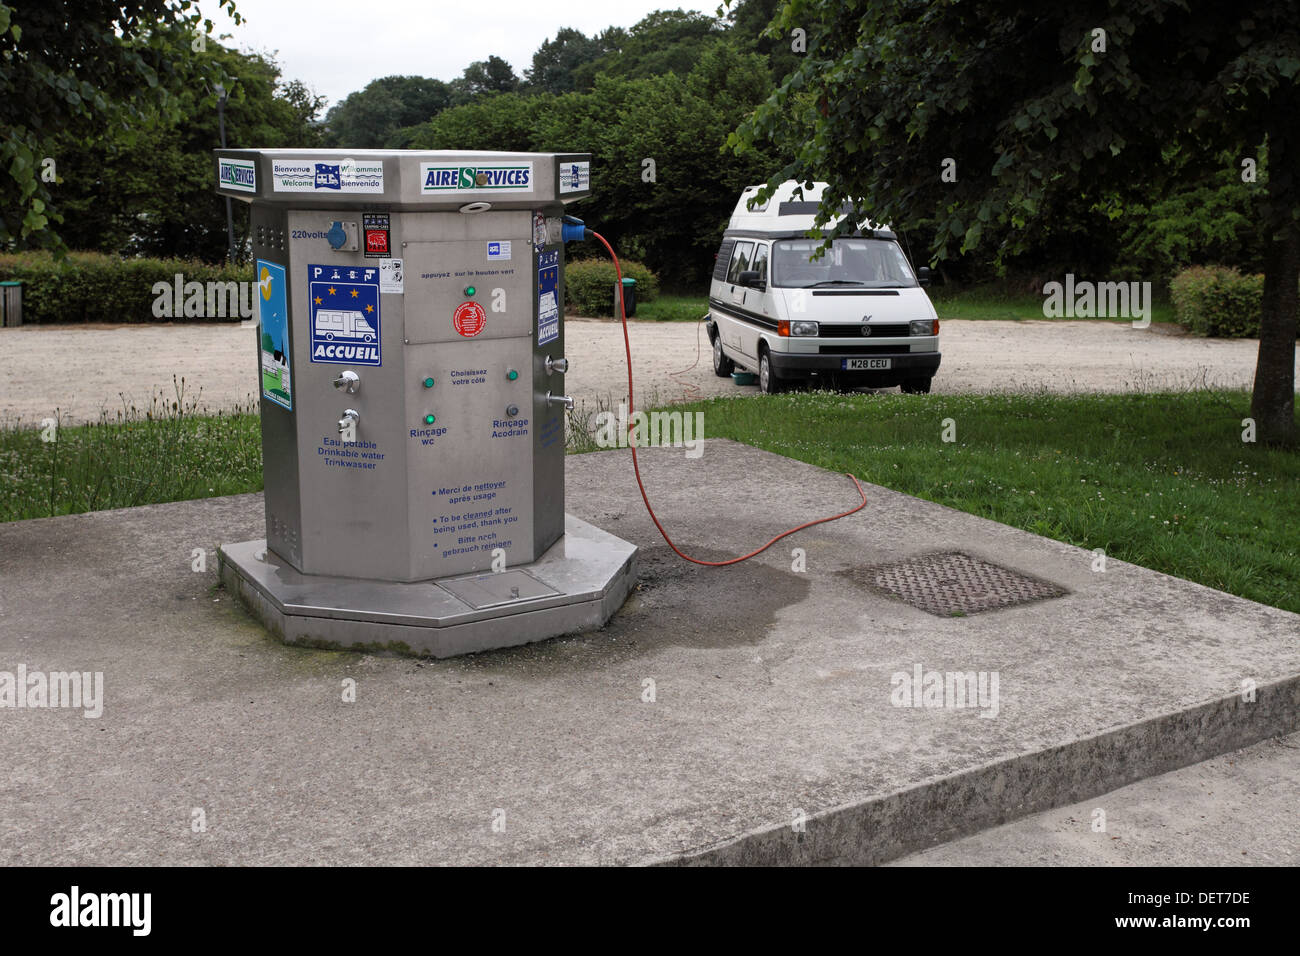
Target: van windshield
{"type": "Point", "coordinates": [870, 263]}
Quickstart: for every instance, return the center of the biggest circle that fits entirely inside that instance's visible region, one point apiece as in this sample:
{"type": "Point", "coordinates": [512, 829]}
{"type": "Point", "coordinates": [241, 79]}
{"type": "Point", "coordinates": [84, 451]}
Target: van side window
{"type": "Point", "coordinates": [723, 259]}
{"type": "Point", "coordinates": [740, 259]}
{"type": "Point", "coordinates": [760, 261]}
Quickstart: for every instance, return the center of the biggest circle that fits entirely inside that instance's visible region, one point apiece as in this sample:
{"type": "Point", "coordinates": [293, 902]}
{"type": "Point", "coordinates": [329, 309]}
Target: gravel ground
{"type": "Point", "coordinates": [81, 369]}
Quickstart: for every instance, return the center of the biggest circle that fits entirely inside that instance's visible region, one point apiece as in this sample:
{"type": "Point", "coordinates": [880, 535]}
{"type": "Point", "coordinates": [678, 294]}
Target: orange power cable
{"type": "Point", "coordinates": [636, 467]}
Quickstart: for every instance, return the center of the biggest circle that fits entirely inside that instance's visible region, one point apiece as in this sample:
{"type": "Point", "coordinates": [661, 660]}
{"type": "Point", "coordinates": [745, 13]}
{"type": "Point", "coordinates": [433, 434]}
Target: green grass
{"type": "Point", "coordinates": [673, 308]}
{"type": "Point", "coordinates": [133, 456]}
{"type": "Point", "coordinates": [991, 302]}
{"type": "Point", "coordinates": [949, 302]}
{"type": "Point", "coordinates": [1161, 480]}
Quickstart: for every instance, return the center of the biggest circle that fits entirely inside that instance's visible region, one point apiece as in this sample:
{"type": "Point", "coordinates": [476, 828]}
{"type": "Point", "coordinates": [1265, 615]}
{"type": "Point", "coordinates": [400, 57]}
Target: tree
{"type": "Point", "coordinates": [71, 69]}
{"type": "Point", "coordinates": [671, 211]}
{"type": "Point", "coordinates": [1205, 218]}
{"type": "Point", "coordinates": [556, 60]}
{"type": "Point", "coordinates": [748, 21]}
{"type": "Point", "coordinates": [507, 122]}
{"type": "Point", "coordinates": [670, 214]}
{"type": "Point", "coordinates": [372, 117]}
{"type": "Point", "coordinates": [149, 189]}
{"type": "Point", "coordinates": [666, 41]}
{"type": "Point", "coordinates": [493, 75]}
{"type": "Point", "coordinates": [1042, 110]}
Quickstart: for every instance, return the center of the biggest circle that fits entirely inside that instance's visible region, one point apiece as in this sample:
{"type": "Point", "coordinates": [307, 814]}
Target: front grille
{"type": "Point", "coordinates": [854, 331]}
{"type": "Point", "coordinates": [863, 349]}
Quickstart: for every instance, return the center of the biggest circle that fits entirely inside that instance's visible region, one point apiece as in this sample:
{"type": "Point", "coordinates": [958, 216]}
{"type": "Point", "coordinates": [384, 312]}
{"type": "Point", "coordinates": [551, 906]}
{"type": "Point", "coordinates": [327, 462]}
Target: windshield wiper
{"type": "Point", "coordinates": [835, 282]}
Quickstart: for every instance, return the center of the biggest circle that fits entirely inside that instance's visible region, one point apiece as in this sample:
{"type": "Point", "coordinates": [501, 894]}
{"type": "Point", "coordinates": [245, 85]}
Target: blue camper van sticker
{"type": "Point", "coordinates": [328, 176]}
{"type": "Point", "coordinates": [344, 306]}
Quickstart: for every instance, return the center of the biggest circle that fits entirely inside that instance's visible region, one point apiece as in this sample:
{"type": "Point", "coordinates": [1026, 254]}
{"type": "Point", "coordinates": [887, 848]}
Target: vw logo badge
{"type": "Point", "coordinates": [866, 330]}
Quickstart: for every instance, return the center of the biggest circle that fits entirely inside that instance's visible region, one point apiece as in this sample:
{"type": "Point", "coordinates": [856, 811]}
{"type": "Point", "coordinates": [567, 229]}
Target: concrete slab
{"type": "Point", "coordinates": [1237, 809]}
{"type": "Point", "coordinates": [713, 714]}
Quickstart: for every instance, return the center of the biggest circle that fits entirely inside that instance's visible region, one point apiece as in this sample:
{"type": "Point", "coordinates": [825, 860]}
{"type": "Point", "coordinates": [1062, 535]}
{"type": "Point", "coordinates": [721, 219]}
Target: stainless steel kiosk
{"type": "Point", "coordinates": [411, 360]}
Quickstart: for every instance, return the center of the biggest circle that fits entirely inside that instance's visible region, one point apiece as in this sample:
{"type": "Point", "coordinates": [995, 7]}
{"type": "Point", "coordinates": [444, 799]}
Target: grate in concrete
{"type": "Point", "coordinates": [949, 583]}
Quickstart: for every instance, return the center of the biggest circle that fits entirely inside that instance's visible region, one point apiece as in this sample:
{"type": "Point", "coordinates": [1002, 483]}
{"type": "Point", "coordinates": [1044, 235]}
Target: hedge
{"type": "Point", "coordinates": [589, 285]}
{"type": "Point", "coordinates": [92, 287]}
{"type": "Point", "coordinates": [1217, 301]}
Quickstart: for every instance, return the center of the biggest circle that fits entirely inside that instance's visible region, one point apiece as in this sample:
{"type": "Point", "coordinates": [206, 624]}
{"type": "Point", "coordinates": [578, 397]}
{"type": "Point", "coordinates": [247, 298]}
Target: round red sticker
{"type": "Point", "coordinates": [469, 319]}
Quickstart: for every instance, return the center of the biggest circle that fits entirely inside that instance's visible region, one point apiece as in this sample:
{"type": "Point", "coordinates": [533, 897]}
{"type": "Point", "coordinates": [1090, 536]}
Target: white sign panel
{"type": "Point", "coordinates": [341, 176]}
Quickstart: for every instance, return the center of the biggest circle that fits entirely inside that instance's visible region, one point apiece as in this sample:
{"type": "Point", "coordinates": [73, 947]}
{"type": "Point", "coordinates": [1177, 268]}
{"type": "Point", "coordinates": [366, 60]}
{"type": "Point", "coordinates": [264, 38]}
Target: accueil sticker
{"type": "Point", "coordinates": [344, 307]}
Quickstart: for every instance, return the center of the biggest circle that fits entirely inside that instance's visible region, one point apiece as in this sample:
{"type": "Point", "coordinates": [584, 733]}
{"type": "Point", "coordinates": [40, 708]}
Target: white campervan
{"type": "Point", "coordinates": [331, 324]}
{"type": "Point", "coordinates": [855, 317]}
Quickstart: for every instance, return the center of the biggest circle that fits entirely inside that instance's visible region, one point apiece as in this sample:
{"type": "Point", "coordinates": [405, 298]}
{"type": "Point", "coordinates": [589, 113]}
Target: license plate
{"type": "Point", "coordinates": [865, 365]}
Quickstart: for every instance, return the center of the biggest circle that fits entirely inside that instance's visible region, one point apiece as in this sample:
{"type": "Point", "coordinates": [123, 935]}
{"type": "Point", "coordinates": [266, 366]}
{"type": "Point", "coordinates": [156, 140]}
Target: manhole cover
{"type": "Point", "coordinates": [950, 583]}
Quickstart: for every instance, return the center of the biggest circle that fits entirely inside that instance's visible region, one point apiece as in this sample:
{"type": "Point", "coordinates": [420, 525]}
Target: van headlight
{"type": "Point", "coordinates": [803, 327]}
{"type": "Point", "coordinates": [923, 327]}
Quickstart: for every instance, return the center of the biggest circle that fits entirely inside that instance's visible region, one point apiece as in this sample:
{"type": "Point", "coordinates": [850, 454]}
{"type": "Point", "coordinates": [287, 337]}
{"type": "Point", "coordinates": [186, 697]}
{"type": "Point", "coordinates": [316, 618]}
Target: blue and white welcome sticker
{"type": "Point", "coordinates": [344, 306]}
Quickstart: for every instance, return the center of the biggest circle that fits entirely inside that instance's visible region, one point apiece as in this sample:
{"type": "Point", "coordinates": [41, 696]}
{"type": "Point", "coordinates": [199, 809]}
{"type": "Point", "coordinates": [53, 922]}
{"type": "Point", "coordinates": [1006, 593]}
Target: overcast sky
{"type": "Point", "coordinates": [336, 47]}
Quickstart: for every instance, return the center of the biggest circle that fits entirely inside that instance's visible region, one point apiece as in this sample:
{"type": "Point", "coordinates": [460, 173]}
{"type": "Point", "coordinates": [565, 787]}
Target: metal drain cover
{"type": "Point", "coordinates": [481, 591]}
{"type": "Point", "coordinates": [949, 583]}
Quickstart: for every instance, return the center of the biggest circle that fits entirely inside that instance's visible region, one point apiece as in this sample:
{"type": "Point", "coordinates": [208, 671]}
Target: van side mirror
{"type": "Point", "coordinates": [750, 278]}
{"type": "Point", "coordinates": [924, 275]}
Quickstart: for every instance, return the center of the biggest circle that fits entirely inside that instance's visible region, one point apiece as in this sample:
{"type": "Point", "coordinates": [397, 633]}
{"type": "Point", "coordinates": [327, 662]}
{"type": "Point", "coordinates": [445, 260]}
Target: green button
{"type": "Point", "coordinates": [429, 419]}
{"type": "Point", "coordinates": [512, 375]}
{"type": "Point", "coordinates": [428, 382]}
{"type": "Point", "coordinates": [470, 290]}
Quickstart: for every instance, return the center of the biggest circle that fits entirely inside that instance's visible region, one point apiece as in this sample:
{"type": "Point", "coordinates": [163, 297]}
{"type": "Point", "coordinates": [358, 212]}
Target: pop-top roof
{"type": "Point", "coordinates": [787, 213]}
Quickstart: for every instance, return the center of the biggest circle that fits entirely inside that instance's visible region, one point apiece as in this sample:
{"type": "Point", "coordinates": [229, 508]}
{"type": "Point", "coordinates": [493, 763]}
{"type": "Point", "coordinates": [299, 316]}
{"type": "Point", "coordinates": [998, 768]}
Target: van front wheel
{"type": "Point", "coordinates": [722, 366]}
{"type": "Point", "coordinates": [768, 383]}
{"type": "Point", "coordinates": [920, 385]}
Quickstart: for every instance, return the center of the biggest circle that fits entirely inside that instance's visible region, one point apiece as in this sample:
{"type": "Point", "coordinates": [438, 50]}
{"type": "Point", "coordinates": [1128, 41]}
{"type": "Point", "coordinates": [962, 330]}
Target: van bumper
{"type": "Point", "coordinates": [903, 366]}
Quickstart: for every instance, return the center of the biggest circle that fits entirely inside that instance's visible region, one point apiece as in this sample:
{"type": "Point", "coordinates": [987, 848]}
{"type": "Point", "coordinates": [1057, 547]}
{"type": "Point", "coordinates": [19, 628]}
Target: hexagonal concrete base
{"type": "Point", "coordinates": [577, 585]}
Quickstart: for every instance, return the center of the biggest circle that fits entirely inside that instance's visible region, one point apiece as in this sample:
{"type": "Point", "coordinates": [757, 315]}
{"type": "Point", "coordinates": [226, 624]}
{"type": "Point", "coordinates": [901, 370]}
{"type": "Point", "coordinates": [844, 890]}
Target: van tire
{"type": "Point", "coordinates": [722, 366]}
{"type": "Point", "coordinates": [920, 385]}
{"type": "Point", "coordinates": [768, 383]}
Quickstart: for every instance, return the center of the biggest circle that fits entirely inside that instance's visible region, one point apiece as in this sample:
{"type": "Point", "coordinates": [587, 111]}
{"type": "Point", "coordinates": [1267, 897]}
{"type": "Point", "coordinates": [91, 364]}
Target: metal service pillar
{"type": "Point", "coordinates": [411, 356]}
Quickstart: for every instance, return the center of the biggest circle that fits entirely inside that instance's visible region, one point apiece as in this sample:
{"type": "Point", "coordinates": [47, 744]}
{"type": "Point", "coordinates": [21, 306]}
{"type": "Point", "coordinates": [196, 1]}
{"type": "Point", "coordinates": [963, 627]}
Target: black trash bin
{"type": "Point", "coordinates": [629, 297]}
{"type": "Point", "coordinates": [11, 303]}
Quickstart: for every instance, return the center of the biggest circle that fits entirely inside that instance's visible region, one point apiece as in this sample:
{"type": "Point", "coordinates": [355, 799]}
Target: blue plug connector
{"type": "Point", "coordinates": [571, 229]}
